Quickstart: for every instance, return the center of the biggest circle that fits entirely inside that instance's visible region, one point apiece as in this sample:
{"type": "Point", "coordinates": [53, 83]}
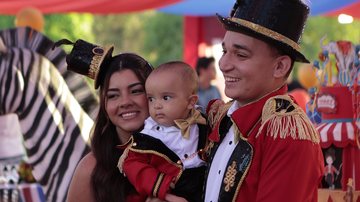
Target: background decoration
{"type": "Point", "coordinates": [307, 76]}
{"type": "Point", "coordinates": [30, 16]}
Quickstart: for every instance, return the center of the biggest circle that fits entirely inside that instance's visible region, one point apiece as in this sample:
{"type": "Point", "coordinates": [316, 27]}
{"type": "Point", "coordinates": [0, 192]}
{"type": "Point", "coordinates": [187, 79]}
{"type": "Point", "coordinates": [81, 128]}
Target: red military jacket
{"type": "Point", "coordinates": [151, 167]}
{"type": "Point", "coordinates": [278, 146]}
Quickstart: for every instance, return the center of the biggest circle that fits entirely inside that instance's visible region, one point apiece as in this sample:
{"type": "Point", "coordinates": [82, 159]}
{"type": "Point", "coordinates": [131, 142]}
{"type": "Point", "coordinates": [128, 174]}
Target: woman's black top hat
{"type": "Point", "coordinates": [87, 59]}
{"type": "Point", "coordinates": [280, 22]}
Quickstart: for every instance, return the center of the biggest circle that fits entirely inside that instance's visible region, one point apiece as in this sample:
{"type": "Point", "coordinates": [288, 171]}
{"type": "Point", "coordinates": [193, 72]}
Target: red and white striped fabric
{"type": "Point", "coordinates": [340, 134]}
{"type": "Point", "coordinates": [31, 193]}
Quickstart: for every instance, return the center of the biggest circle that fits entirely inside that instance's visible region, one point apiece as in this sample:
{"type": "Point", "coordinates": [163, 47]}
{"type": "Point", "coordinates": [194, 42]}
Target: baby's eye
{"type": "Point", "coordinates": [150, 99]}
{"type": "Point", "coordinates": [166, 97]}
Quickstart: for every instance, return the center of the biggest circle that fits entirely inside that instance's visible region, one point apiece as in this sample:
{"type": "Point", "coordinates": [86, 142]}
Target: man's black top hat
{"type": "Point", "coordinates": [280, 22]}
{"type": "Point", "coordinates": [87, 59]}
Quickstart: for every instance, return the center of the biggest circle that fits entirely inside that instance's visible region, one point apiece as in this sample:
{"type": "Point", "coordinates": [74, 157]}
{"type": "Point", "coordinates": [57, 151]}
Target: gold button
{"type": "Point", "coordinates": [134, 144]}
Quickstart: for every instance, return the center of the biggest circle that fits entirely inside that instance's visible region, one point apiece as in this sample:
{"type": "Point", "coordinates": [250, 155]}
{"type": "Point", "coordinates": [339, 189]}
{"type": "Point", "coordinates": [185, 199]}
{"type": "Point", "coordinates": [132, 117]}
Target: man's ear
{"type": "Point", "coordinates": [192, 101]}
{"type": "Point", "coordinates": [282, 66]}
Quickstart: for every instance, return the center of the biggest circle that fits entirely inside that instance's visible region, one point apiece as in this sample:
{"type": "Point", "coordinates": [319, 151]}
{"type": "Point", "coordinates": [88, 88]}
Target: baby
{"type": "Point", "coordinates": [164, 159]}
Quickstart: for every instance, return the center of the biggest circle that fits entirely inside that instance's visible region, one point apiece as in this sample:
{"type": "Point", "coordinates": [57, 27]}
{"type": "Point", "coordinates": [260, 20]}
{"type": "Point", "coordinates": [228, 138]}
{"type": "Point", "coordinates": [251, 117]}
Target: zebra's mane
{"type": "Point", "coordinates": [55, 127]}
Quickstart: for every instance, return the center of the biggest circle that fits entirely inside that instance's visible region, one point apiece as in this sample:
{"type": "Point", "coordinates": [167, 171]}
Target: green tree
{"type": "Point", "coordinates": [317, 27]}
{"type": "Point", "coordinates": [156, 36]}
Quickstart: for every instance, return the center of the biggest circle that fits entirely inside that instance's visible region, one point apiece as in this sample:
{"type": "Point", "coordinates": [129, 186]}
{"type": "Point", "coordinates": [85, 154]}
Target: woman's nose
{"type": "Point", "coordinates": [125, 101]}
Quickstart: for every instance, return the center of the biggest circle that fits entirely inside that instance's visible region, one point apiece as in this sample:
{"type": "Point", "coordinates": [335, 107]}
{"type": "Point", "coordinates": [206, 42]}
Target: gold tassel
{"type": "Point", "coordinates": [283, 124]}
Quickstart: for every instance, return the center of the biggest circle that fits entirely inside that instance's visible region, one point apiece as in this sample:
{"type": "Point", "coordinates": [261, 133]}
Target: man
{"type": "Point", "coordinates": [262, 147]}
{"type": "Point", "coordinates": [205, 69]}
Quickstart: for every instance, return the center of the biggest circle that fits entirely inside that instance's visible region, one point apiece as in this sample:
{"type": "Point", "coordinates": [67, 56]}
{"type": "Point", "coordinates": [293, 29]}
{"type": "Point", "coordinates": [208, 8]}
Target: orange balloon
{"type": "Point", "coordinates": [31, 17]}
{"type": "Point", "coordinates": [307, 76]}
{"type": "Point", "coordinates": [301, 96]}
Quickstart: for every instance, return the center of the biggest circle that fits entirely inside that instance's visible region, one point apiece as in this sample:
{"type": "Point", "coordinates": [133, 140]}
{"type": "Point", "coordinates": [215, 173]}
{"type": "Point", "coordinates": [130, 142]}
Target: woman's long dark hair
{"type": "Point", "coordinates": [107, 182]}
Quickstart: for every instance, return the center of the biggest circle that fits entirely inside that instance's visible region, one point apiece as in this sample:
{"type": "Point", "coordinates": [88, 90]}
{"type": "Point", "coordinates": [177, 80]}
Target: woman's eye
{"type": "Point", "coordinates": [137, 91]}
{"type": "Point", "coordinates": [111, 96]}
{"type": "Point", "coordinates": [167, 97]}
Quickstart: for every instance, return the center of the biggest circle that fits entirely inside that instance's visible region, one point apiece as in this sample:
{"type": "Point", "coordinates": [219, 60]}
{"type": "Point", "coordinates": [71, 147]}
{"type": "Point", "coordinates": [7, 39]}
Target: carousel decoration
{"type": "Point", "coordinates": [335, 111]}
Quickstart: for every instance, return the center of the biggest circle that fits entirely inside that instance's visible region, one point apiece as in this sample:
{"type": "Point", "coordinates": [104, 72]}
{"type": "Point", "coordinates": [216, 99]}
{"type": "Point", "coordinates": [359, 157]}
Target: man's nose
{"type": "Point", "coordinates": [224, 63]}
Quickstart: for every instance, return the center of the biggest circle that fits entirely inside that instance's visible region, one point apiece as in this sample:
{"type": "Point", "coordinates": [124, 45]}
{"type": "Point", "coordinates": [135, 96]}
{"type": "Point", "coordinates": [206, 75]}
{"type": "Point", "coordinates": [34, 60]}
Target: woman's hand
{"type": "Point", "coordinates": [173, 198]}
{"type": "Point", "coordinates": [168, 198]}
{"type": "Point", "coordinates": [153, 199]}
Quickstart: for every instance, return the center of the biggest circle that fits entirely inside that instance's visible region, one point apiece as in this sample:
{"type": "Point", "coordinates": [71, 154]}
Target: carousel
{"type": "Point", "coordinates": [334, 109]}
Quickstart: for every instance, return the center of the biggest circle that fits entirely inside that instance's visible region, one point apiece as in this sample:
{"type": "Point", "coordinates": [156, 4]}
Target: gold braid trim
{"type": "Point", "coordinates": [217, 110]}
{"type": "Point", "coordinates": [157, 184]}
{"type": "Point", "coordinates": [267, 32]}
{"type": "Point", "coordinates": [124, 155]}
{"type": "Point", "coordinates": [237, 133]}
{"type": "Point", "coordinates": [282, 124]}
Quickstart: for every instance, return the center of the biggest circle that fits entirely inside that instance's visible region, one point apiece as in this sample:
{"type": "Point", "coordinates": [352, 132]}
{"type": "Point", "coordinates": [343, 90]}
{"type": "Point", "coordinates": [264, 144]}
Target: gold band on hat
{"type": "Point", "coordinates": [94, 65]}
{"type": "Point", "coordinates": [267, 32]}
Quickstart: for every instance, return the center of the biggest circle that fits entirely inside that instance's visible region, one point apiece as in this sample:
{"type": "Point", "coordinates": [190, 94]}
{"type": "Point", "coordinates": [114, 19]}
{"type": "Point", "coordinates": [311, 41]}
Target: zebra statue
{"type": "Point", "coordinates": [26, 37]}
{"type": "Point", "coordinates": [55, 127]}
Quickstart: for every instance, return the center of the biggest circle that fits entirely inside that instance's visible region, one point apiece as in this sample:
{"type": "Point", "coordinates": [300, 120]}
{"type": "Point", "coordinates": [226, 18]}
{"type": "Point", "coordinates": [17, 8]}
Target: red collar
{"type": "Point", "coordinates": [248, 115]}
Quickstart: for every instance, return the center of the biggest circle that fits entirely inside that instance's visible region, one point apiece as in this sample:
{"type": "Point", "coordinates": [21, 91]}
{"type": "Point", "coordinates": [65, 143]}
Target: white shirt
{"type": "Point", "coordinates": [186, 149]}
{"type": "Point", "coordinates": [221, 158]}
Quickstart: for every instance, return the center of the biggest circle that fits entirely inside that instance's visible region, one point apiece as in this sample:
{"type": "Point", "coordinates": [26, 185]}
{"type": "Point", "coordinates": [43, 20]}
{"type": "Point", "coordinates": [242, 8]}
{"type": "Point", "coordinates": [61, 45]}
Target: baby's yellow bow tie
{"type": "Point", "coordinates": [184, 124]}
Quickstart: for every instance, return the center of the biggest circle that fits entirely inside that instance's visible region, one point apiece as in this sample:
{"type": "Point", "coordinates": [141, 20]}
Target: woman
{"type": "Point", "coordinates": [123, 109]}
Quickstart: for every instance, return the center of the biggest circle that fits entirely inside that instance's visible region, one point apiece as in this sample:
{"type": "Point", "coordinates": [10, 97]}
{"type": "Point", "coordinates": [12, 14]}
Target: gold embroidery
{"type": "Point", "coordinates": [94, 66]}
{"type": "Point", "coordinates": [230, 174]}
{"type": "Point", "coordinates": [217, 110]}
{"type": "Point", "coordinates": [283, 124]}
{"type": "Point", "coordinates": [267, 32]}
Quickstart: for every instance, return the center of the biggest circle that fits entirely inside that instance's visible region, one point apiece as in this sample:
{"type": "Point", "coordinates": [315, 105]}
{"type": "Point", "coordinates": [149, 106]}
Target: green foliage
{"type": "Point", "coordinates": [317, 27]}
{"type": "Point", "coordinates": [71, 26]}
{"type": "Point", "coordinates": [155, 36]}
{"type": "Point", "coordinates": [159, 37]}
{"type": "Point", "coordinates": [7, 22]}
{"type": "Point", "coordinates": [165, 42]}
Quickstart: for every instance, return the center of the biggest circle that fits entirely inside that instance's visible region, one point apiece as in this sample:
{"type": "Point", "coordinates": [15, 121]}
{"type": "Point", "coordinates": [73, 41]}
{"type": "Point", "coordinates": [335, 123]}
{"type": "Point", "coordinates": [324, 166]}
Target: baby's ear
{"type": "Point", "coordinates": [192, 101]}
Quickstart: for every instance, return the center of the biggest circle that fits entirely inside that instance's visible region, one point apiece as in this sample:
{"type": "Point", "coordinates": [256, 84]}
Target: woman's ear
{"type": "Point", "coordinates": [282, 66]}
{"type": "Point", "coordinates": [192, 101]}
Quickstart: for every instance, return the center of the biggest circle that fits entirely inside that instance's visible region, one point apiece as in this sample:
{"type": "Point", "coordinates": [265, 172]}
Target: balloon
{"type": "Point", "coordinates": [301, 97]}
{"type": "Point", "coordinates": [30, 17]}
{"type": "Point", "coordinates": [307, 76]}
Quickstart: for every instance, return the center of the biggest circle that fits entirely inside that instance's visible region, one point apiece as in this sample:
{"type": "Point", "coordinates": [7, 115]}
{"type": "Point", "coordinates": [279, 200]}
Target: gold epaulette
{"type": "Point", "coordinates": [217, 110]}
{"type": "Point", "coordinates": [283, 118]}
{"type": "Point", "coordinates": [124, 155]}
